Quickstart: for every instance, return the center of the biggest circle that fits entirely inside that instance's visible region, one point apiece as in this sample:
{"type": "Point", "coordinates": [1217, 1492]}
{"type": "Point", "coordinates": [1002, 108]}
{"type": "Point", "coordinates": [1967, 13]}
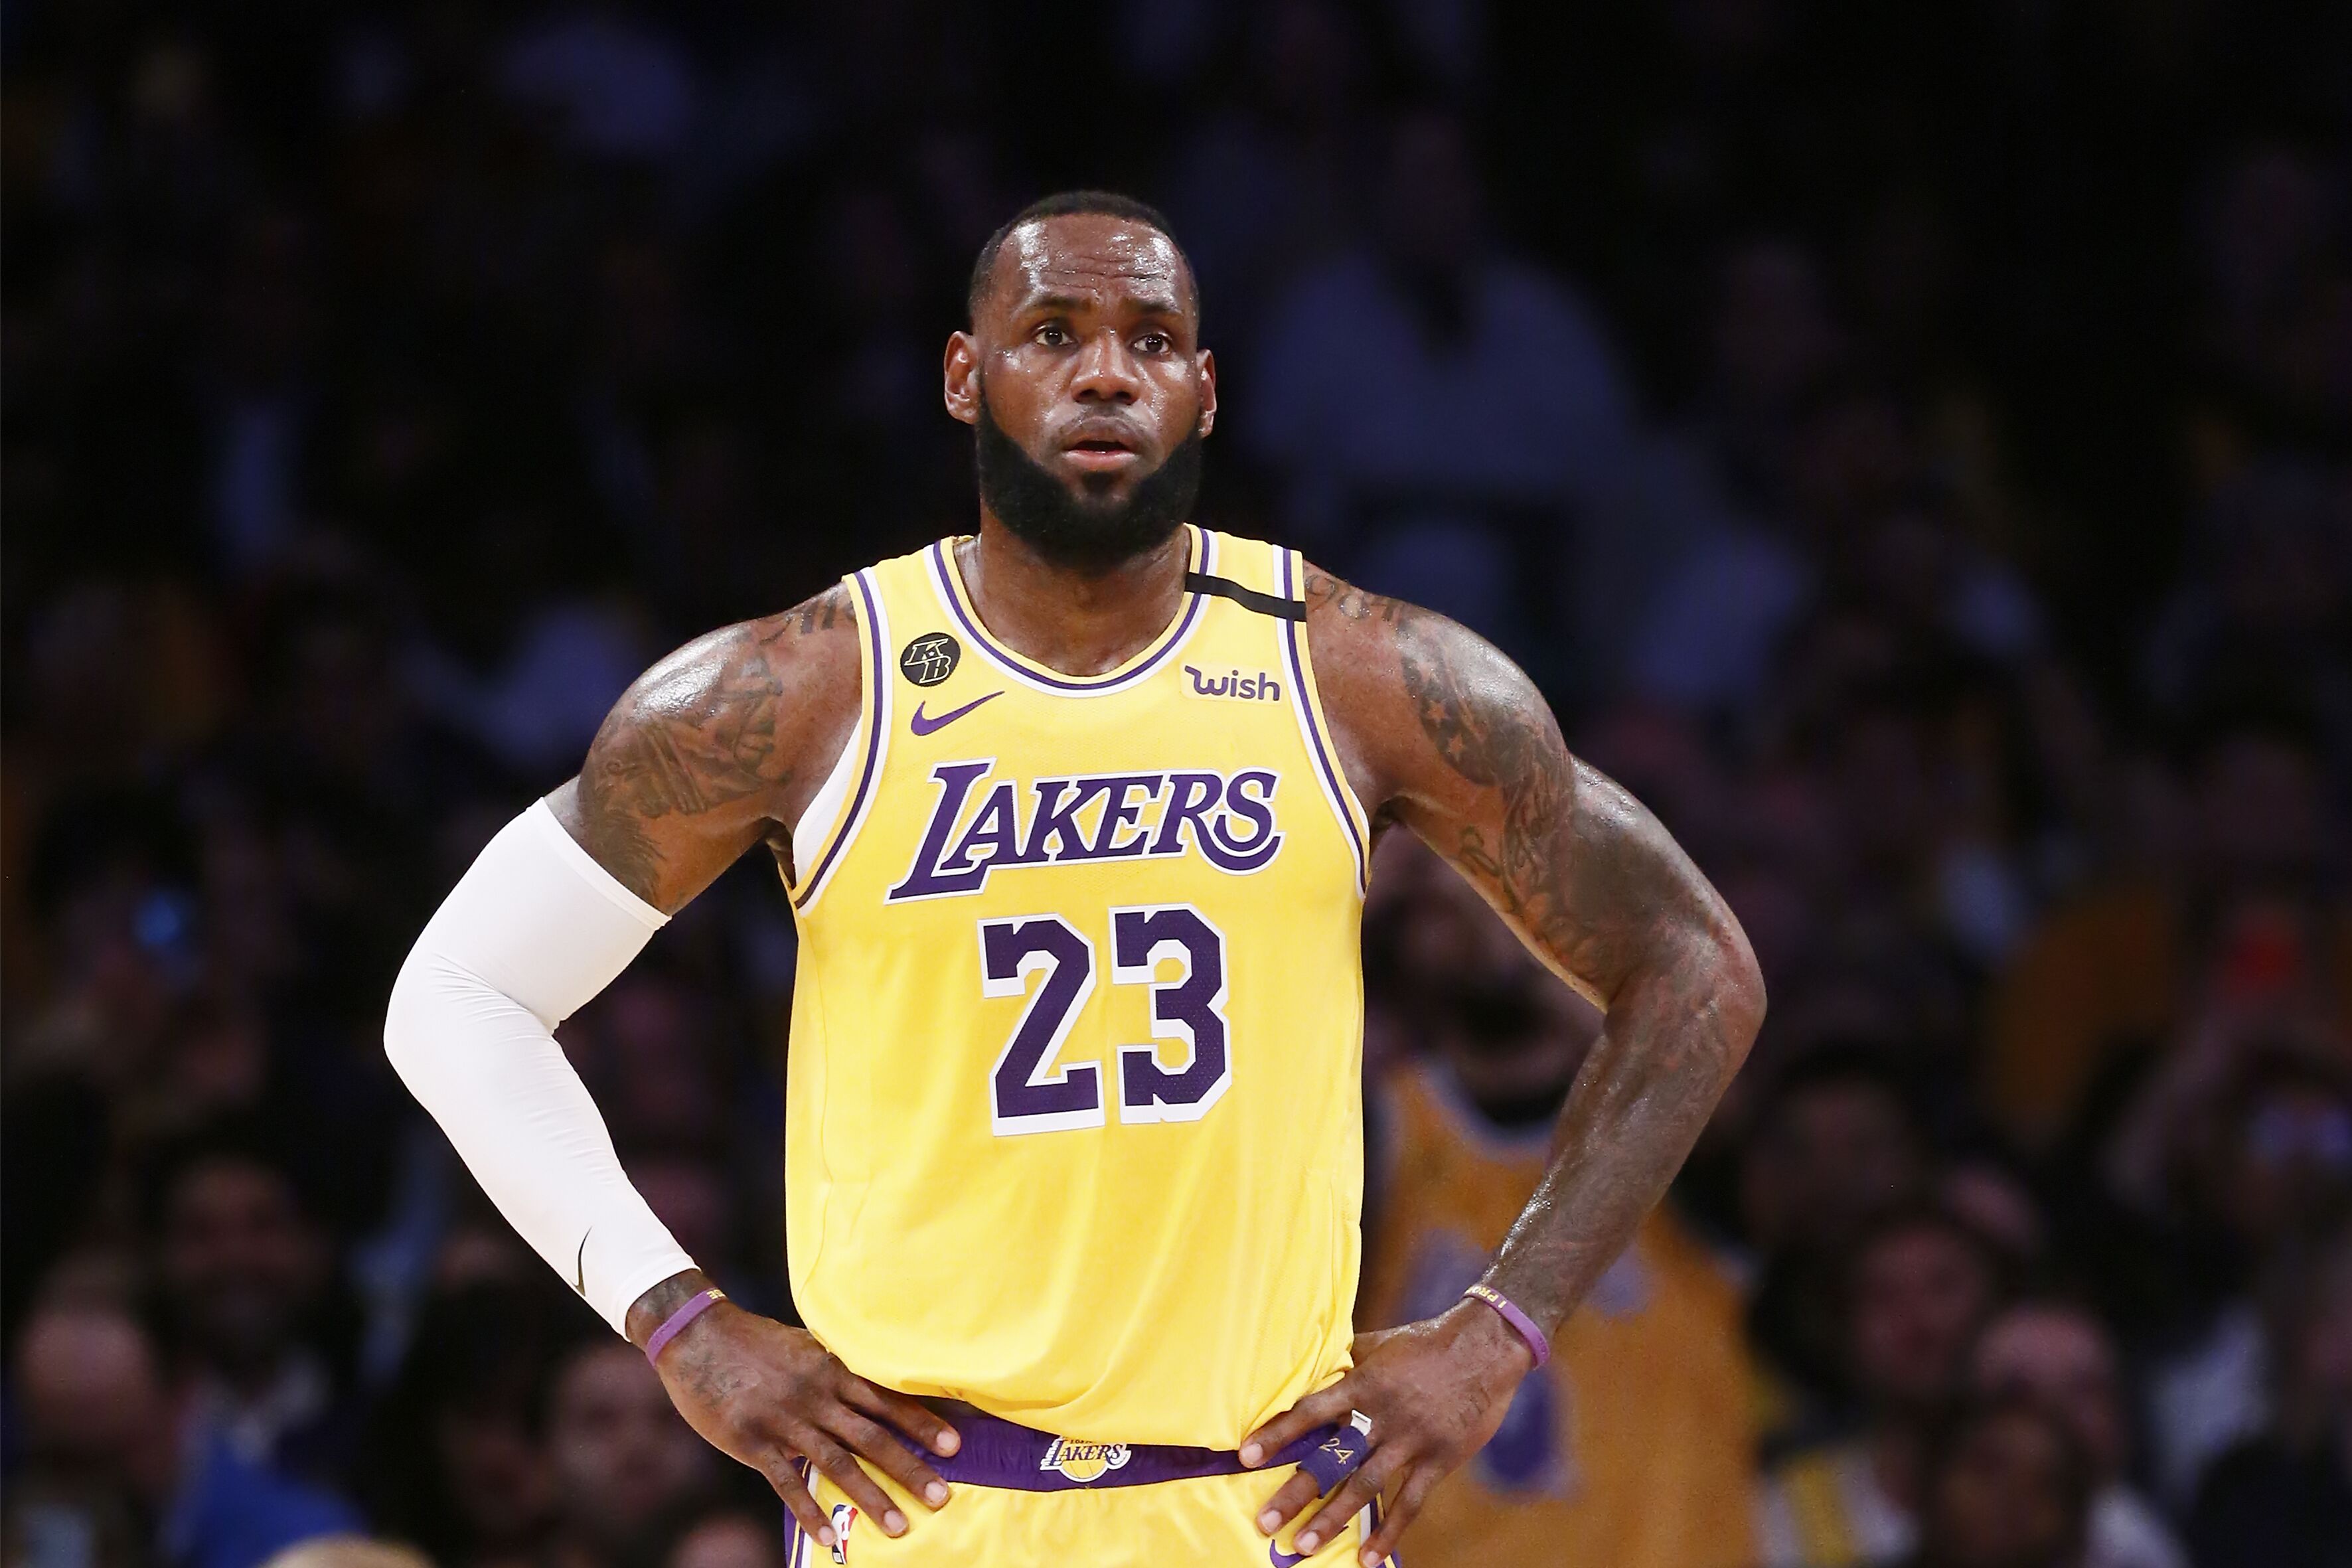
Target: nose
{"type": "Point", "coordinates": [1106, 373]}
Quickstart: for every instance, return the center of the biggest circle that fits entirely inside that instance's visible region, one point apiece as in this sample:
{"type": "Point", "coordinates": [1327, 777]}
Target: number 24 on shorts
{"type": "Point", "coordinates": [1031, 1092]}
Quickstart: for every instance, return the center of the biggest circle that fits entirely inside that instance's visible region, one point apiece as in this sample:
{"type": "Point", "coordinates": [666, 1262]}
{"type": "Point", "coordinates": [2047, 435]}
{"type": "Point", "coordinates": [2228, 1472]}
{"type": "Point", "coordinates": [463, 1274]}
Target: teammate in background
{"type": "Point", "coordinates": [1636, 1446]}
{"type": "Point", "coordinates": [1076, 815]}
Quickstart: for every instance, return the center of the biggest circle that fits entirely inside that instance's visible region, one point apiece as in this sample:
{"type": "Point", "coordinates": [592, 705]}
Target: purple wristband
{"type": "Point", "coordinates": [699, 1303]}
{"type": "Point", "coordinates": [1520, 1321]}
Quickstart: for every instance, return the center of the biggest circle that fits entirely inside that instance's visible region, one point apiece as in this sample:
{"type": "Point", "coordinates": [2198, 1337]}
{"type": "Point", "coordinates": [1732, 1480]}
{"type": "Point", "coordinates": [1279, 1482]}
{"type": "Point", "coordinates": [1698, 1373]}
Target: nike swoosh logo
{"type": "Point", "coordinates": [922, 725]}
{"type": "Point", "coordinates": [1281, 1559]}
{"type": "Point", "coordinates": [579, 1261]}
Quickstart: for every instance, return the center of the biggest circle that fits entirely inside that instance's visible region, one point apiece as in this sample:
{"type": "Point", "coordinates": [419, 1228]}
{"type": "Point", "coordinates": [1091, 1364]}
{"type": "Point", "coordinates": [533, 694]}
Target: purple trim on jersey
{"type": "Point", "coordinates": [998, 1453]}
{"type": "Point", "coordinates": [1291, 632]}
{"type": "Point", "coordinates": [856, 800]}
{"type": "Point", "coordinates": [1172, 640]}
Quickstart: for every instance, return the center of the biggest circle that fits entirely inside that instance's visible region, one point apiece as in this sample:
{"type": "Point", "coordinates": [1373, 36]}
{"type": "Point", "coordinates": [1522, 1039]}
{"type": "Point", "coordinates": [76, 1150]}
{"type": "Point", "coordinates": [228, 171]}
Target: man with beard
{"type": "Point", "coordinates": [1076, 815]}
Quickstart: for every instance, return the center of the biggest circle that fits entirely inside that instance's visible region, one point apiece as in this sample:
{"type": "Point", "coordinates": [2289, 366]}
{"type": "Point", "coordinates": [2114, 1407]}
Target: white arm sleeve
{"type": "Point", "coordinates": [533, 930]}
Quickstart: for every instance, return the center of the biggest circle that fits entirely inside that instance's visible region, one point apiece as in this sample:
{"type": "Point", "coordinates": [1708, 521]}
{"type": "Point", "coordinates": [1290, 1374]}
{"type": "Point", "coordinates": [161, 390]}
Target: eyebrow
{"type": "Point", "coordinates": [1070, 304]}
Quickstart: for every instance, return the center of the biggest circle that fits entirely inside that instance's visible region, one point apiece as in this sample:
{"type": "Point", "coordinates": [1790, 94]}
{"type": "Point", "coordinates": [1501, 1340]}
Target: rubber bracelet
{"type": "Point", "coordinates": [1524, 1325]}
{"type": "Point", "coordinates": [699, 1303]}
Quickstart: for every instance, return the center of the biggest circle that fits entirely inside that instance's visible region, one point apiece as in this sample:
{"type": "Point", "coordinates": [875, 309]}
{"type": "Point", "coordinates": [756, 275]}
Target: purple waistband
{"type": "Point", "coordinates": [999, 1453]}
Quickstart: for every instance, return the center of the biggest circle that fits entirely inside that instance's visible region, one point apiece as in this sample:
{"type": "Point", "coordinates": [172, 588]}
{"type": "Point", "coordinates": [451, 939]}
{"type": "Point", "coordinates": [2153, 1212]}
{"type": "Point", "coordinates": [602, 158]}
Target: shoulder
{"type": "Point", "coordinates": [1417, 700]}
{"type": "Point", "coordinates": [751, 709]}
{"type": "Point", "coordinates": [804, 652]}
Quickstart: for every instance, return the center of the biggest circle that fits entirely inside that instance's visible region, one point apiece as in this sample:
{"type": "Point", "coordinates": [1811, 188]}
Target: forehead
{"type": "Point", "coordinates": [1102, 261]}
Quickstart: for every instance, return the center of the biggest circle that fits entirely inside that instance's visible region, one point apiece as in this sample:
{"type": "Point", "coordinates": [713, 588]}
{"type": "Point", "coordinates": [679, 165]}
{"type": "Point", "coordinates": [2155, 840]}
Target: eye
{"type": "Point", "coordinates": [1154, 344]}
{"type": "Point", "coordinates": [1051, 335]}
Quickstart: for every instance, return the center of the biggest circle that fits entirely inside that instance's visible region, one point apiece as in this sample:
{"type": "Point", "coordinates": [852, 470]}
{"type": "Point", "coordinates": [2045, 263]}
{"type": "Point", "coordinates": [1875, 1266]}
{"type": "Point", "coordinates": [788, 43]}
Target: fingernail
{"type": "Point", "coordinates": [936, 1493]}
{"type": "Point", "coordinates": [1369, 1557]}
{"type": "Point", "coordinates": [825, 1535]}
{"type": "Point", "coordinates": [1252, 1453]}
{"type": "Point", "coordinates": [947, 1442]}
{"type": "Point", "coordinates": [1306, 1544]}
{"type": "Point", "coordinates": [894, 1522]}
{"type": "Point", "coordinates": [1269, 1521]}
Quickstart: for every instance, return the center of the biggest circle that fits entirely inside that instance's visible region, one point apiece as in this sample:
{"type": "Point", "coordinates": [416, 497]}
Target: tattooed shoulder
{"type": "Point", "coordinates": [715, 730]}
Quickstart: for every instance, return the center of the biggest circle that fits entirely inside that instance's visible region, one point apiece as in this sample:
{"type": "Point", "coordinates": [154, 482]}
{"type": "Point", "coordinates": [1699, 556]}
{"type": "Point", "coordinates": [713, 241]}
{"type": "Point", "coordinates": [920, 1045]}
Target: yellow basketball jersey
{"type": "Point", "coordinates": [1633, 1447]}
{"type": "Point", "coordinates": [1075, 1124]}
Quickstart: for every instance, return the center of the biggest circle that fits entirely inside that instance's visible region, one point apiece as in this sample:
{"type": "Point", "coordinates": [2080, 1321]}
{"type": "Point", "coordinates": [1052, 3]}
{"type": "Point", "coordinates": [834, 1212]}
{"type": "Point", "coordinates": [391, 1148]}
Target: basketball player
{"type": "Point", "coordinates": [1074, 815]}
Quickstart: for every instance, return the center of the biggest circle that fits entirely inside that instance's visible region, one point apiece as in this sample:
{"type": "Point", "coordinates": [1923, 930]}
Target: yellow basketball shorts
{"type": "Point", "coordinates": [1029, 1499]}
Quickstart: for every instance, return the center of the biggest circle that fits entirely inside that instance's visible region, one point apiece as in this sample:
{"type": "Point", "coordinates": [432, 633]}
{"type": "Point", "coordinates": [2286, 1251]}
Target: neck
{"type": "Point", "coordinates": [1079, 623]}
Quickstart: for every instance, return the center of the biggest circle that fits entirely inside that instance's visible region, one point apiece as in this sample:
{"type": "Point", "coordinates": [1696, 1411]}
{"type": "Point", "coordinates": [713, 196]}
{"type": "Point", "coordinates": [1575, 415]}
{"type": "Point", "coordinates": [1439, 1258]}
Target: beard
{"type": "Point", "coordinates": [1083, 532]}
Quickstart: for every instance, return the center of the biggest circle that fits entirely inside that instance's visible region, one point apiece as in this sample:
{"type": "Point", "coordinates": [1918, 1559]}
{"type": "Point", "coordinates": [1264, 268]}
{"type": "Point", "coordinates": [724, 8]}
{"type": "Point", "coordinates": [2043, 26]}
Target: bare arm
{"type": "Point", "coordinates": [1599, 892]}
{"type": "Point", "coordinates": [1441, 733]}
{"type": "Point", "coordinates": [717, 748]}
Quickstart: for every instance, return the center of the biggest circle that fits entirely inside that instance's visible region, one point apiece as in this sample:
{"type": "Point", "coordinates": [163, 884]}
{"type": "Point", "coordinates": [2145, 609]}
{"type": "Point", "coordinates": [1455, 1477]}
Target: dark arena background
{"type": "Point", "coordinates": [1911, 444]}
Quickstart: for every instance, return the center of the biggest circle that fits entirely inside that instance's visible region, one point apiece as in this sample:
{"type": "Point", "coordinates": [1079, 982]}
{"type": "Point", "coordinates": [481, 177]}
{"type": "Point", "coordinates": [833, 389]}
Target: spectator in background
{"type": "Point", "coordinates": [455, 1459]}
{"type": "Point", "coordinates": [1444, 417]}
{"type": "Point", "coordinates": [2266, 616]}
{"type": "Point", "coordinates": [119, 1477]}
{"type": "Point", "coordinates": [2259, 922]}
{"type": "Point", "coordinates": [1837, 1141]}
{"type": "Point", "coordinates": [1632, 1447]}
{"type": "Point", "coordinates": [2004, 1486]}
{"type": "Point", "coordinates": [244, 1275]}
{"type": "Point", "coordinates": [2062, 1357]}
{"type": "Point", "coordinates": [626, 1465]}
{"type": "Point", "coordinates": [2283, 1498]}
{"type": "Point", "coordinates": [1918, 1287]}
{"type": "Point", "coordinates": [2255, 1165]}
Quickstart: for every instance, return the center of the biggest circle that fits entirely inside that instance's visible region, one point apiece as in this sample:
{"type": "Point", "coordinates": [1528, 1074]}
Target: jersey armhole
{"type": "Point", "coordinates": [838, 810]}
{"type": "Point", "coordinates": [1314, 728]}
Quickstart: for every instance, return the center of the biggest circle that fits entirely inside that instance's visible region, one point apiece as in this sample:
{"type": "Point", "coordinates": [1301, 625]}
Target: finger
{"type": "Point", "coordinates": [1316, 1410]}
{"type": "Point", "coordinates": [1283, 1505]}
{"type": "Point", "coordinates": [785, 1477]}
{"type": "Point", "coordinates": [845, 1472]}
{"type": "Point", "coordinates": [873, 1442]}
{"type": "Point", "coordinates": [912, 1416]}
{"type": "Point", "coordinates": [1357, 1491]}
{"type": "Point", "coordinates": [1410, 1497]}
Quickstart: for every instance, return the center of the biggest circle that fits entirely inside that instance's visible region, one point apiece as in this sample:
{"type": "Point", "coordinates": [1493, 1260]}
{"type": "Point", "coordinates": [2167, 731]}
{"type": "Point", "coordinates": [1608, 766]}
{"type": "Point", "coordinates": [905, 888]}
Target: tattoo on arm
{"type": "Point", "coordinates": [1602, 894]}
{"type": "Point", "coordinates": [687, 760]}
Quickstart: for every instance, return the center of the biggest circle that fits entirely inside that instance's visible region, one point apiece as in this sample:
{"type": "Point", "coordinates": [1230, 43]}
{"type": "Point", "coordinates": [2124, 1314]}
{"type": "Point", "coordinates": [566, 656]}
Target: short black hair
{"type": "Point", "coordinates": [1072, 204]}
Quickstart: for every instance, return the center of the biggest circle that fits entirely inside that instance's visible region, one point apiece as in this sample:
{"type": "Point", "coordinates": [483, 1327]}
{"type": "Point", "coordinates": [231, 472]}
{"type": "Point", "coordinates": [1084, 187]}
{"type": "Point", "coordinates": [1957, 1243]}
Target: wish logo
{"type": "Point", "coordinates": [1257, 688]}
{"type": "Point", "coordinates": [979, 826]}
{"type": "Point", "coordinates": [1083, 1462]}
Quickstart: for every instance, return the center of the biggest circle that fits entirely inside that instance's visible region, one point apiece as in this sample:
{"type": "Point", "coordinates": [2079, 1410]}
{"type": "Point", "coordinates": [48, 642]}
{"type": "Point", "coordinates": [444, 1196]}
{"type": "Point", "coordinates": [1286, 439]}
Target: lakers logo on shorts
{"type": "Point", "coordinates": [1083, 1462]}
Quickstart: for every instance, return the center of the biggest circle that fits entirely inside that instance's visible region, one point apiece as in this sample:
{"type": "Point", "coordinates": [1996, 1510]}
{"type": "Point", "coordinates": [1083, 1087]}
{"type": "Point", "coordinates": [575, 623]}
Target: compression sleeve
{"type": "Point", "coordinates": [530, 932]}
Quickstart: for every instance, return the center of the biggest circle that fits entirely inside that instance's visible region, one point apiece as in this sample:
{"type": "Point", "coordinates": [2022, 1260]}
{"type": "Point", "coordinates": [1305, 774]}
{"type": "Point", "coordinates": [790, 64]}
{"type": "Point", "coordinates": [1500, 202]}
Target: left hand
{"type": "Point", "coordinates": [1434, 1390]}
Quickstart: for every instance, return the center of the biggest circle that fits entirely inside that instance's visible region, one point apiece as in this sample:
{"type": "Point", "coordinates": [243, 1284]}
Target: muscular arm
{"type": "Point", "coordinates": [717, 748]}
{"type": "Point", "coordinates": [1453, 742]}
{"type": "Point", "coordinates": [1439, 732]}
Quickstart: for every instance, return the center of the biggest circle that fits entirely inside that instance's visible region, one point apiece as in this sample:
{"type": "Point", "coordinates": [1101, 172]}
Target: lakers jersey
{"type": "Point", "coordinates": [1074, 1128]}
{"type": "Point", "coordinates": [1632, 1447]}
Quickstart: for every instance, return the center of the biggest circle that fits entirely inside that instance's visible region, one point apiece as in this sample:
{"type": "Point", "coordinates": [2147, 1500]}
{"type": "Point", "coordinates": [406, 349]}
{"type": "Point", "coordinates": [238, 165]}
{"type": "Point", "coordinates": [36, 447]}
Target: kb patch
{"type": "Point", "coordinates": [931, 658]}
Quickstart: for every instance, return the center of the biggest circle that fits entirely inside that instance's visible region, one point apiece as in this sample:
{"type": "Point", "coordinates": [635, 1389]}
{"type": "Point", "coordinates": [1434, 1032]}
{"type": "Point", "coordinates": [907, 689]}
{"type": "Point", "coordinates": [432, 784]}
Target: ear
{"type": "Point", "coordinates": [1208, 372]}
{"type": "Point", "coordinates": [959, 376]}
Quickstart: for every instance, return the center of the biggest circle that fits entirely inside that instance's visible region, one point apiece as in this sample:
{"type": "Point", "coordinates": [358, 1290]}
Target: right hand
{"type": "Point", "coordinates": [768, 1394]}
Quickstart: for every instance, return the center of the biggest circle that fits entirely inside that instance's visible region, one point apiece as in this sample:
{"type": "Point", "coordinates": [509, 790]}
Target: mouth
{"type": "Point", "coordinates": [1098, 446]}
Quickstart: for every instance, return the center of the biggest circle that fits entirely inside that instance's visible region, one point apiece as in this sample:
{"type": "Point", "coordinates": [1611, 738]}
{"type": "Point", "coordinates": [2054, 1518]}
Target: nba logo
{"type": "Point", "coordinates": [843, 1516]}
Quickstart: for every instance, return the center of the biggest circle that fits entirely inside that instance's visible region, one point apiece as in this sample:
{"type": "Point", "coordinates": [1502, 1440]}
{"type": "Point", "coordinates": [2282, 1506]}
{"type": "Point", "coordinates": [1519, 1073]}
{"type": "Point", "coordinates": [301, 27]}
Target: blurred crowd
{"type": "Point", "coordinates": [1911, 444]}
